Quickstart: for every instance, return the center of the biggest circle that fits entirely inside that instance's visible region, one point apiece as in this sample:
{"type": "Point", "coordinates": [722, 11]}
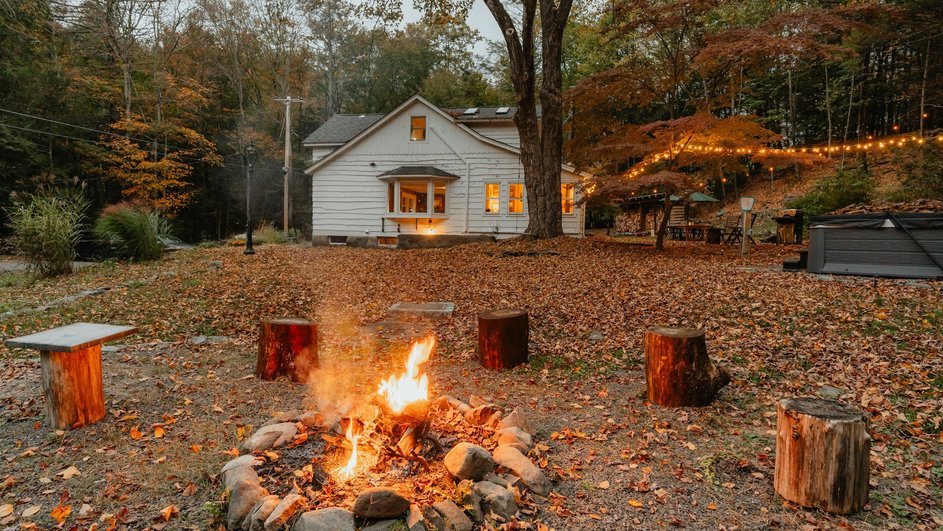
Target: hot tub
{"type": "Point", "coordinates": [886, 244]}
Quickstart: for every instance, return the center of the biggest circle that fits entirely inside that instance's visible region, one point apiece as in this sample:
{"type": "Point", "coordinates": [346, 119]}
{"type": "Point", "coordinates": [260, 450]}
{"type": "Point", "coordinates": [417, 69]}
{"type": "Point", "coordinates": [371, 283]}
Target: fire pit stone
{"type": "Point", "coordinates": [332, 519]}
{"type": "Point", "coordinates": [271, 436]}
{"type": "Point", "coordinates": [380, 502]}
{"type": "Point", "coordinates": [285, 510]}
{"type": "Point", "coordinates": [469, 461]}
{"type": "Point", "coordinates": [454, 517]}
{"type": "Point", "coordinates": [244, 496]}
{"type": "Point", "coordinates": [516, 419]}
{"type": "Point", "coordinates": [496, 499]}
{"type": "Point", "coordinates": [511, 458]}
{"type": "Point", "coordinates": [261, 511]}
{"type": "Point", "coordinates": [515, 437]}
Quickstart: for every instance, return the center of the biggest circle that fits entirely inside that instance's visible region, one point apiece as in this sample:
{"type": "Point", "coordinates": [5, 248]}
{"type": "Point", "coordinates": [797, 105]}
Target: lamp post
{"type": "Point", "coordinates": [250, 155]}
{"type": "Point", "coordinates": [746, 205]}
{"type": "Point", "coordinates": [771, 170]}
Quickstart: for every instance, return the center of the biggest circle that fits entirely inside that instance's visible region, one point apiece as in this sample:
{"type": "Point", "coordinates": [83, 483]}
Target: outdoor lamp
{"type": "Point", "coordinates": [746, 205]}
{"type": "Point", "coordinates": [250, 155]}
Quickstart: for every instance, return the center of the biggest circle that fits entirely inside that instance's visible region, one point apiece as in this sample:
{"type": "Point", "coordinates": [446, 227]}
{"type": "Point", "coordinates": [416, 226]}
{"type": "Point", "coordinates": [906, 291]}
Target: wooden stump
{"type": "Point", "coordinates": [75, 395]}
{"type": "Point", "coordinates": [822, 454]}
{"type": "Point", "coordinates": [287, 347]}
{"type": "Point", "coordinates": [502, 338]}
{"type": "Point", "coordinates": [678, 371]}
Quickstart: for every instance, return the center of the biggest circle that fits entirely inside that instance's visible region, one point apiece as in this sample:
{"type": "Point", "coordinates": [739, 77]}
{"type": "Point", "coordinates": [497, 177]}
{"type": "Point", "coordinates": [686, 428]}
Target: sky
{"type": "Point", "coordinates": [479, 18]}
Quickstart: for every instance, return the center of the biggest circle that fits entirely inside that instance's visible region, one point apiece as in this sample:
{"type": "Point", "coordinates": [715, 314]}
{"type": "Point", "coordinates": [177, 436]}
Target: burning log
{"type": "Point", "coordinates": [678, 371]}
{"type": "Point", "coordinates": [503, 338]}
{"type": "Point", "coordinates": [287, 347]}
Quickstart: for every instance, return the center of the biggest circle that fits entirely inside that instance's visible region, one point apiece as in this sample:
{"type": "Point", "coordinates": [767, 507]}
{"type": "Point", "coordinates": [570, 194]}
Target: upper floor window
{"type": "Point", "coordinates": [417, 128]}
{"type": "Point", "coordinates": [515, 198]}
{"type": "Point", "coordinates": [492, 198]}
{"type": "Point", "coordinates": [568, 196]}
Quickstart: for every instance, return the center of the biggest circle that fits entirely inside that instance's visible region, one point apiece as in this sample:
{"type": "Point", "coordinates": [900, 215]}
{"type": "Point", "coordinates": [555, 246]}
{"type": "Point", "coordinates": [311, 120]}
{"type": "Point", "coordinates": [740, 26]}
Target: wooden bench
{"type": "Point", "coordinates": [71, 358]}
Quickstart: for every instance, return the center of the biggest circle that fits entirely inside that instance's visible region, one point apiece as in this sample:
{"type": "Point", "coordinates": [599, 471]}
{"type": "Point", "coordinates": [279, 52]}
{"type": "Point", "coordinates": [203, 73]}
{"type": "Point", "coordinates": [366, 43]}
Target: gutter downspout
{"type": "Point", "coordinates": [467, 175]}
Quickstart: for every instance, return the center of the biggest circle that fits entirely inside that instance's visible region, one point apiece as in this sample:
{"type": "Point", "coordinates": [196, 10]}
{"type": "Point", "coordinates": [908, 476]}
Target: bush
{"type": "Point", "coordinates": [601, 216]}
{"type": "Point", "coordinates": [136, 232]}
{"type": "Point", "coordinates": [834, 192]}
{"type": "Point", "coordinates": [267, 233]}
{"type": "Point", "coordinates": [46, 228]}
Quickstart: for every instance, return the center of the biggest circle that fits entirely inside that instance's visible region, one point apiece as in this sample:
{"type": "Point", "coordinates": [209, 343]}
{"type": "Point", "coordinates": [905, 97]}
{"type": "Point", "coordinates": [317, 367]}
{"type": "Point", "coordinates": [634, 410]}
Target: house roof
{"type": "Point", "coordinates": [340, 128]}
{"type": "Point", "coordinates": [417, 171]}
{"type": "Point", "coordinates": [384, 118]}
{"type": "Point", "coordinates": [484, 114]}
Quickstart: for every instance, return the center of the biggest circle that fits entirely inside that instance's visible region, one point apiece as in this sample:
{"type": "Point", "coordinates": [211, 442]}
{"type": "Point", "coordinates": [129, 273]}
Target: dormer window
{"type": "Point", "coordinates": [417, 128]}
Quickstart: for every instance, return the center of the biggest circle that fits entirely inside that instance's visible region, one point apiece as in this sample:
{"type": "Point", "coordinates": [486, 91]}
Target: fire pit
{"type": "Point", "coordinates": [395, 455]}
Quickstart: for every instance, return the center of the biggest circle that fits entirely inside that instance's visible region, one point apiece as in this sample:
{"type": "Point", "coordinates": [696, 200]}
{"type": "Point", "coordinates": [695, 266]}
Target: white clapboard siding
{"type": "Point", "coordinates": [504, 132]}
{"type": "Point", "coordinates": [348, 199]}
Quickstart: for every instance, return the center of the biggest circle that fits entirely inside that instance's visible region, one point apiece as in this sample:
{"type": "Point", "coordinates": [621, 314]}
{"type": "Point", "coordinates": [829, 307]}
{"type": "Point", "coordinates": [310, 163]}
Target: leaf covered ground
{"type": "Point", "coordinates": [177, 407]}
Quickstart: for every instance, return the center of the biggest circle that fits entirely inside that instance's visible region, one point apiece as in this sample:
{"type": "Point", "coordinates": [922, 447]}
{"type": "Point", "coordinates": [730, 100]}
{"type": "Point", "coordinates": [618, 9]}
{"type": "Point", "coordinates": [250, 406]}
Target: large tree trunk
{"type": "Point", "coordinates": [541, 146]}
{"type": "Point", "coordinates": [822, 454]}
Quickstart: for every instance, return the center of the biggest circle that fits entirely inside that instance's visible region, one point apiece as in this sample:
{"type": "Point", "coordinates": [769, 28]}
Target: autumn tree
{"type": "Point", "coordinates": [678, 156]}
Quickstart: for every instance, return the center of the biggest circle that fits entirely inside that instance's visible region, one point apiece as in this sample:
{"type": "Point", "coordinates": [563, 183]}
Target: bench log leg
{"type": "Point", "coordinates": [75, 395]}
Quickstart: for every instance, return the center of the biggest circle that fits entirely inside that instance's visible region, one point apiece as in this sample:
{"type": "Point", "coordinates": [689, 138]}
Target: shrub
{"type": "Point", "coordinates": [267, 233]}
{"type": "Point", "coordinates": [601, 216]}
{"type": "Point", "coordinates": [46, 228]}
{"type": "Point", "coordinates": [136, 232]}
{"type": "Point", "coordinates": [834, 192]}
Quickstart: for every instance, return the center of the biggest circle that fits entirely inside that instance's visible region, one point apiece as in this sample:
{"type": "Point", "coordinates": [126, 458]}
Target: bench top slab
{"type": "Point", "coordinates": [69, 338]}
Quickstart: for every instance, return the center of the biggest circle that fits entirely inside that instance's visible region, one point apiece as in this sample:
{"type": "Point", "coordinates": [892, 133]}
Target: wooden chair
{"type": "Point", "coordinates": [733, 228]}
{"type": "Point", "coordinates": [677, 218]}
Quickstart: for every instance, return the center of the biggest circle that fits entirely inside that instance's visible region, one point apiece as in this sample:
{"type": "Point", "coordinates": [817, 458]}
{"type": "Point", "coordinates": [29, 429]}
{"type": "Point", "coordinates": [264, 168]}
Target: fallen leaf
{"type": "Point", "coordinates": [69, 473]}
{"type": "Point", "coordinates": [31, 511]}
{"type": "Point", "coordinates": [195, 448]}
{"type": "Point", "coordinates": [158, 432]}
{"type": "Point", "coordinates": [712, 506]}
{"type": "Point", "coordinates": [169, 512]}
{"type": "Point", "coordinates": [6, 510]}
{"type": "Point", "coordinates": [603, 485]}
{"type": "Point", "coordinates": [135, 433]}
{"type": "Point", "coordinates": [636, 503]}
{"type": "Point", "coordinates": [61, 512]}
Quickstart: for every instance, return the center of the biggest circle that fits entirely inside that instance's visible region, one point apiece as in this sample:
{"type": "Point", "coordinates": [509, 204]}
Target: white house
{"type": "Point", "coordinates": [422, 170]}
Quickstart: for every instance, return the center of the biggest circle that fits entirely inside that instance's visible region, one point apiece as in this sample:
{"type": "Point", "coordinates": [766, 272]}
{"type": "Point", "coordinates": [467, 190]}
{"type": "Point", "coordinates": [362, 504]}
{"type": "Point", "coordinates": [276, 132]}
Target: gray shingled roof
{"type": "Point", "coordinates": [483, 114]}
{"type": "Point", "coordinates": [417, 171]}
{"type": "Point", "coordinates": [340, 128]}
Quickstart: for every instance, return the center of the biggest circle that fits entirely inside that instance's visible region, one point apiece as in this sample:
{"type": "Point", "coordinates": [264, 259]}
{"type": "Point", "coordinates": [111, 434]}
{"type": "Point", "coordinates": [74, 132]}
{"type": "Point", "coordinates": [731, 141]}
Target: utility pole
{"type": "Point", "coordinates": [287, 167]}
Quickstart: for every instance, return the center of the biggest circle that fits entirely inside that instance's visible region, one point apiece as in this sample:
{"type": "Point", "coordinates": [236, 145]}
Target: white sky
{"type": "Point", "coordinates": [479, 18]}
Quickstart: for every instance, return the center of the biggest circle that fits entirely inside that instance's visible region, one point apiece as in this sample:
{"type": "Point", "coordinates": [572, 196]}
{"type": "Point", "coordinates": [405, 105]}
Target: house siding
{"type": "Point", "coordinates": [503, 132]}
{"type": "Point", "coordinates": [348, 199]}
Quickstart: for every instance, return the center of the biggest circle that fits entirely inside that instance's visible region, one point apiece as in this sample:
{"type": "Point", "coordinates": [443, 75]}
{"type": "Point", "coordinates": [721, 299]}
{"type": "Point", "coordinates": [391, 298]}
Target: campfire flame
{"type": "Point", "coordinates": [348, 471]}
{"type": "Point", "coordinates": [402, 390]}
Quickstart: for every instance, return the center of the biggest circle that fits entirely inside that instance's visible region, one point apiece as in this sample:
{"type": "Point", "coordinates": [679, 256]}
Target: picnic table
{"type": "Point", "coordinates": [71, 360]}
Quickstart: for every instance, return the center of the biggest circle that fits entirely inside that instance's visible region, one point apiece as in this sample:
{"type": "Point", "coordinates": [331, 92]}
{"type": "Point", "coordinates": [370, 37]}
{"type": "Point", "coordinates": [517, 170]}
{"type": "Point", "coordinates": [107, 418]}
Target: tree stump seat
{"type": "Point", "coordinates": [822, 454]}
{"type": "Point", "coordinates": [287, 348]}
{"type": "Point", "coordinates": [678, 371]}
{"type": "Point", "coordinates": [503, 337]}
{"type": "Point", "coordinates": [71, 360]}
